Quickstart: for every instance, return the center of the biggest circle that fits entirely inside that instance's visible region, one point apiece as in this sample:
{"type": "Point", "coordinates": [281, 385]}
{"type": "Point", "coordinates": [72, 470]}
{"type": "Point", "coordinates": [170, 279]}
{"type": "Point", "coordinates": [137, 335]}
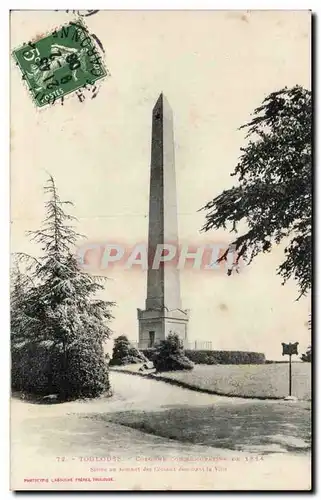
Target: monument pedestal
{"type": "Point", "coordinates": [156, 324]}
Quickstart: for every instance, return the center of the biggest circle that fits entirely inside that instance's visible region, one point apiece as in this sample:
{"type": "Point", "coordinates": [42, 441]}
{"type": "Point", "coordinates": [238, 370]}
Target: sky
{"type": "Point", "coordinates": [215, 68]}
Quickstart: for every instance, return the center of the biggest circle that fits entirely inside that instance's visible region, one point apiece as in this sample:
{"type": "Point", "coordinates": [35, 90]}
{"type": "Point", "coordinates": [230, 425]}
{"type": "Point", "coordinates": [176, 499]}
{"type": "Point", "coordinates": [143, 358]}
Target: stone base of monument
{"type": "Point", "coordinates": [156, 324]}
{"type": "Point", "coordinates": [290, 398]}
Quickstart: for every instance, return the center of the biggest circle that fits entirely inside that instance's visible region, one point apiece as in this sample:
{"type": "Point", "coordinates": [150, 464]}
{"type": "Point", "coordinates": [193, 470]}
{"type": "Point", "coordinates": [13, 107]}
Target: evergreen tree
{"type": "Point", "coordinates": [273, 198]}
{"type": "Point", "coordinates": [19, 320]}
{"type": "Point", "coordinates": [62, 301]}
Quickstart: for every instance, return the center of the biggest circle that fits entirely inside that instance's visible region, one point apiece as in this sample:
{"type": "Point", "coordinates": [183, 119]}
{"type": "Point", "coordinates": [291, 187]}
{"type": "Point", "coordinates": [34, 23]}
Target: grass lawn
{"type": "Point", "coordinates": [261, 381]}
{"type": "Point", "coordinates": [262, 427]}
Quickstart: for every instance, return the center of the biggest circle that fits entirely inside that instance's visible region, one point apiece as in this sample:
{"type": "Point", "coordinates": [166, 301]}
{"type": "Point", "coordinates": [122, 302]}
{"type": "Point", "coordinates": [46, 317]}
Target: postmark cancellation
{"type": "Point", "coordinates": [60, 63]}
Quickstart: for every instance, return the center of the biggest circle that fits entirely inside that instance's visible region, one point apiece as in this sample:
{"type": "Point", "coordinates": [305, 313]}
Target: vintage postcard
{"type": "Point", "coordinates": [161, 199]}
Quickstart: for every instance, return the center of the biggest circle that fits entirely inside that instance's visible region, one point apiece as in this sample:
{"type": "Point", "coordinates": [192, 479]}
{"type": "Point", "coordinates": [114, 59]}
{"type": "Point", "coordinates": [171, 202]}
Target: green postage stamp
{"type": "Point", "coordinates": [60, 63]}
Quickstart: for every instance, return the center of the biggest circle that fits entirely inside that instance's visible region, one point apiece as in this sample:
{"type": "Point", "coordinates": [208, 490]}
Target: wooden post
{"type": "Point", "coordinates": [290, 375]}
{"type": "Point", "coordinates": [289, 349]}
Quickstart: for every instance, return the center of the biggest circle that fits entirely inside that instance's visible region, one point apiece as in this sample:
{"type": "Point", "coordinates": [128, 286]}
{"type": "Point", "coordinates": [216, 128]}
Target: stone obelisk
{"type": "Point", "coordinates": [163, 310]}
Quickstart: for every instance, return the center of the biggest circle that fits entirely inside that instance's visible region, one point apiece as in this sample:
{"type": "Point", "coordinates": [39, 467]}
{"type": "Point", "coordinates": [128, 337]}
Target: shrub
{"type": "Point", "coordinates": [225, 357]}
{"type": "Point", "coordinates": [170, 355]}
{"type": "Point", "coordinates": [307, 357]}
{"type": "Point", "coordinates": [149, 353]}
{"type": "Point", "coordinates": [87, 374]}
{"type": "Point", "coordinates": [35, 367]}
{"type": "Point", "coordinates": [38, 368]}
{"type": "Point", "coordinates": [273, 362]}
{"type": "Point", "coordinates": [124, 353]}
{"type": "Point", "coordinates": [204, 357]}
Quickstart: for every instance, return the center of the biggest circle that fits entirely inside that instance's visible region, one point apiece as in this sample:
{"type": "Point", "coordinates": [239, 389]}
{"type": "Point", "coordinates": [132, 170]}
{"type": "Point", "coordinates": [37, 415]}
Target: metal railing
{"type": "Point", "coordinates": [199, 345]}
{"type": "Point", "coordinates": [196, 345]}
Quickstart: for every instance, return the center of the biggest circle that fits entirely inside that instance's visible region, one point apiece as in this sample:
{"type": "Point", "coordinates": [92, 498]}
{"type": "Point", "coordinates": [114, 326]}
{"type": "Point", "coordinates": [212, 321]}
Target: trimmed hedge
{"type": "Point", "coordinates": [272, 362]}
{"type": "Point", "coordinates": [226, 357]}
{"type": "Point", "coordinates": [37, 368]}
{"type": "Point", "coordinates": [88, 374]}
{"type": "Point", "coordinates": [203, 357]}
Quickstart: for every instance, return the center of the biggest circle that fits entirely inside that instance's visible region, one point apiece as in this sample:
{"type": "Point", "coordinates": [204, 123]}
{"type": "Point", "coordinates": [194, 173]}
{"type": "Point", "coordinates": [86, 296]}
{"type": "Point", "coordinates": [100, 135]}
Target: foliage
{"type": "Point", "coordinates": [273, 198]}
{"type": "Point", "coordinates": [170, 355]}
{"type": "Point", "coordinates": [124, 353]}
{"type": "Point", "coordinates": [149, 353]}
{"type": "Point", "coordinates": [59, 304]}
{"type": "Point", "coordinates": [307, 357]}
{"type": "Point", "coordinates": [35, 366]}
{"type": "Point", "coordinates": [204, 357]}
{"type": "Point", "coordinates": [275, 362]}
{"type": "Point", "coordinates": [19, 319]}
{"type": "Point", "coordinates": [87, 369]}
{"type": "Point", "coordinates": [226, 357]}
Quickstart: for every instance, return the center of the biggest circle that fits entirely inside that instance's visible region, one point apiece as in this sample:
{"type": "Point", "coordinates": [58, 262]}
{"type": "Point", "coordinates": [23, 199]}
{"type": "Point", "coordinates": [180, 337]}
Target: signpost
{"type": "Point", "coordinates": [290, 349]}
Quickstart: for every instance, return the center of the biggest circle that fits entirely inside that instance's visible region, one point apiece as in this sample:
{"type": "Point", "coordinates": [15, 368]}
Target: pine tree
{"type": "Point", "coordinates": [20, 322]}
{"type": "Point", "coordinates": [62, 301]}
